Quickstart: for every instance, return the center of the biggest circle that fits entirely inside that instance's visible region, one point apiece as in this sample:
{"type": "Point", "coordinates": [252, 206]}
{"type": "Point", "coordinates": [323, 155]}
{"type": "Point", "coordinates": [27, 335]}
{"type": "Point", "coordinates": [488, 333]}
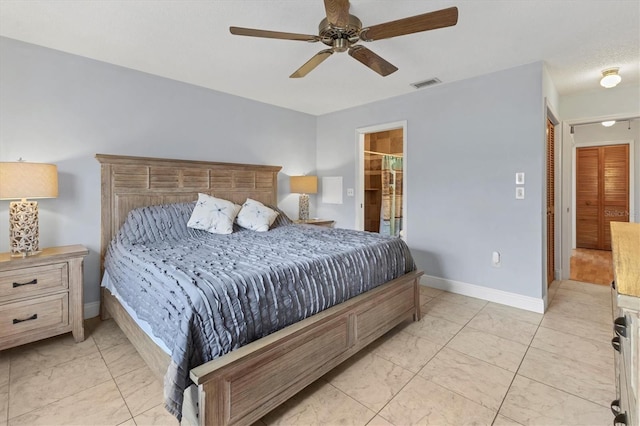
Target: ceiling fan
{"type": "Point", "coordinates": [342, 31]}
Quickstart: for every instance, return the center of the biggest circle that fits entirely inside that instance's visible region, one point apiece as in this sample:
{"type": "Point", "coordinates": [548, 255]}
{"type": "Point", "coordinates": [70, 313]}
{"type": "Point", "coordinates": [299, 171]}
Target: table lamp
{"type": "Point", "coordinates": [304, 185]}
{"type": "Point", "coordinates": [18, 181]}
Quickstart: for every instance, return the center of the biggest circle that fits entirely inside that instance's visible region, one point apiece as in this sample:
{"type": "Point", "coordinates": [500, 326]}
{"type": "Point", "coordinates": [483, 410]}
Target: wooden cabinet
{"type": "Point", "coordinates": [626, 325]}
{"type": "Point", "coordinates": [318, 222]}
{"type": "Point", "coordinates": [41, 295]}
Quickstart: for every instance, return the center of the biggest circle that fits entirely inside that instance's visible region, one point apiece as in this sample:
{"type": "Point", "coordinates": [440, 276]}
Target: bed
{"type": "Point", "coordinates": [245, 384]}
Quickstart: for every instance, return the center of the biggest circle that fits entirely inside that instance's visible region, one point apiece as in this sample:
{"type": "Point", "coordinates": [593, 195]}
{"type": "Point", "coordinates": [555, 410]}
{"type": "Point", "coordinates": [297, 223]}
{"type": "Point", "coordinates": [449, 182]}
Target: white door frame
{"type": "Point", "coordinates": [360, 133]}
{"type": "Point", "coordinates": [567, 167]}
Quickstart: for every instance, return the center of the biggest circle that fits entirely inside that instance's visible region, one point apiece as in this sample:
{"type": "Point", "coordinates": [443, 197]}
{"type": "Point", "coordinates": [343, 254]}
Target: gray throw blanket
{"type": "Point", "coordinates": [206, 294]}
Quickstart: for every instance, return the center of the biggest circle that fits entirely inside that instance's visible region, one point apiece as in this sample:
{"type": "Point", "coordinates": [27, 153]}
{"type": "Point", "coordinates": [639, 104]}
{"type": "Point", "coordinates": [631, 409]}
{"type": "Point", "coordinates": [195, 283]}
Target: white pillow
{"type": "Point", "coordinates": [213, 214]}
{"type": "Point", "coordinates": [256, 216]}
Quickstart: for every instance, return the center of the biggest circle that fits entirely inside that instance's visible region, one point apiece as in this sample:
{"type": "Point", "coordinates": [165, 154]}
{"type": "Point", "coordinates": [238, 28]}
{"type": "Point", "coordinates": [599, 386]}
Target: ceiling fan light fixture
{"type": "Point", "coordinates": [610, 78]}
{"type": "Point", "coordinates": [608, 123]}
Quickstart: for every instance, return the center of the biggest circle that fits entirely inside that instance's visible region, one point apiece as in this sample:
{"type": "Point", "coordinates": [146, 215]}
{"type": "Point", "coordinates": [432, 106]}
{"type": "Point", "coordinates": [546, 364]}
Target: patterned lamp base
{"type": "Point", "coordinates": [23, 228]}
{"type": "Point", "coordinates": [303, 211]}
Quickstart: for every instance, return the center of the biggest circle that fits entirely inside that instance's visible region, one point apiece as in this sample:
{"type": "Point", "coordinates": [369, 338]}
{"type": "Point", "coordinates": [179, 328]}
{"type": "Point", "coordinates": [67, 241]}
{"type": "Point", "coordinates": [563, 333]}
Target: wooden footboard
{"type": "Point", "coordinates": [244, 385]}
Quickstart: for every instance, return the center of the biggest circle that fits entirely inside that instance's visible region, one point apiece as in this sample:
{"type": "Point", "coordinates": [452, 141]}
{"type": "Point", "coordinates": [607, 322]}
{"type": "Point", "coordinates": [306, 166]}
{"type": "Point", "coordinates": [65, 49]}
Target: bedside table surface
{"type": "Point", "coordinates": [49, 253]}
{"type": "Point", "coordinates": [314, 221]}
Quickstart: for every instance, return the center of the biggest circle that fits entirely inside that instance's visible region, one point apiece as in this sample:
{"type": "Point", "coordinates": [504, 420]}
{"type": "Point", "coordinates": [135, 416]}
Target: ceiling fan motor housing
{"type": "Point", "coordinates": [340, 38]}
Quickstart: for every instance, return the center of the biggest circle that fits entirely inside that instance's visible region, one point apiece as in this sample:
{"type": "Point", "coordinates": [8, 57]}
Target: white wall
{"type": "Point", "coordinates": [63, 109]}
{"type": "Point", "coordinates": [465, 142]}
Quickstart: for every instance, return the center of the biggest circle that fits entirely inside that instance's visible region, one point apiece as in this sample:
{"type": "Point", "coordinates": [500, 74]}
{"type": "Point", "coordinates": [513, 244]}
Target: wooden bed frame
{"type": "Point", "coordinates": [244, 385]}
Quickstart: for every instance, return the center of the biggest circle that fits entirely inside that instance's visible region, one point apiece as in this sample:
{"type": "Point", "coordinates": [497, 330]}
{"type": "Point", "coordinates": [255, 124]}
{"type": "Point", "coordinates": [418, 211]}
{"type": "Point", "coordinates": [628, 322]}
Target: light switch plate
{"type": "Point", "coordinates": [350, 192]}
{"type": "Point", "coordinates": [520, 178]}
{"type": "Point", "coordinates": [520, 193]}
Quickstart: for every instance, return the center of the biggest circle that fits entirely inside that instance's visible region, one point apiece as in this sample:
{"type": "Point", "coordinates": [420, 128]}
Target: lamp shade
{"type": "Point", "coordinates": [20, 180]}
{"type": "Point", "coordinates": [304, 184]}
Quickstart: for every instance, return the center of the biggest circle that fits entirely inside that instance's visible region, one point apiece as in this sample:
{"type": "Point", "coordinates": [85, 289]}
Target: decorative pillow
{"type": "Point", "coordinates": [256, 216]}
{"type": "Point", "coordinates": [213, 215]}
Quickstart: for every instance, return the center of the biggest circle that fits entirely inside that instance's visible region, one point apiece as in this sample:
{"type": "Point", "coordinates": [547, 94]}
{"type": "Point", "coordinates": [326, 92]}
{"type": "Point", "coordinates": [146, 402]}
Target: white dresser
{"type": "Point", "coordinates": [626, 311]}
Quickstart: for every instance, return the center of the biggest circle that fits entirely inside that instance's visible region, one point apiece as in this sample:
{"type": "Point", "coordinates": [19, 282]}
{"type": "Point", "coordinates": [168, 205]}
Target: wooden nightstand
{"type": "Point", "coordinates": [41, 295]}
{"type": "Point", "coordinates": [318, 222]}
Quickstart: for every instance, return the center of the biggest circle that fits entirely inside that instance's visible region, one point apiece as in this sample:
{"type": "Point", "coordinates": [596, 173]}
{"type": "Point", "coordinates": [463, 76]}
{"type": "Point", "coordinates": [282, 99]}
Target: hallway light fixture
{"type": "Point", "coordinates": [610, 78]}
{"type": "Point", "coordinates": [608, 123]}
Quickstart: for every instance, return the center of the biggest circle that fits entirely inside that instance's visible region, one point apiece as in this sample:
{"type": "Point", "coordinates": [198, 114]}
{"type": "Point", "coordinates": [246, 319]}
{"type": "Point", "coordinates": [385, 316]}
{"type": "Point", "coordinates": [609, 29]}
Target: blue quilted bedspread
{"type": "Point", "coordinates": [206, 294]}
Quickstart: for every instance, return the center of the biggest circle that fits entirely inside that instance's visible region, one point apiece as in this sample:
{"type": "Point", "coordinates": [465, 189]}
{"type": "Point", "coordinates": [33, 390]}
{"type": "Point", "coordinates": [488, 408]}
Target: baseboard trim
{"type": "Point", "coordinates": [91, 309]}
{"type": "Point", "coordinates": [492, 295]}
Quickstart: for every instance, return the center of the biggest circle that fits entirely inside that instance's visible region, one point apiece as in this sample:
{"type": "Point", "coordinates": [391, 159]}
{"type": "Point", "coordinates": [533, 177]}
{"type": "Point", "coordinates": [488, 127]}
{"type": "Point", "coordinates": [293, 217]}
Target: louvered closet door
{"type": "Point", "coordinates": [550, 202]}
{"type": "Point", "coordinates": [602, 193]}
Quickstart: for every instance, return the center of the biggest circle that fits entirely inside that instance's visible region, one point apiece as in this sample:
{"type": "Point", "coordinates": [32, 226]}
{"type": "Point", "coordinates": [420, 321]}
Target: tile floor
{"type": "Point", "coordinates": [466, 362]}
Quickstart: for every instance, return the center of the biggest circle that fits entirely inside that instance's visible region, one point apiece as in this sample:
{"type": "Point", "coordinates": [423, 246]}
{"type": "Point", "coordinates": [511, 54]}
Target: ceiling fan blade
{"type": "Point", "coordinates": [414, 24]}
{"type": "Point", "coordinates": [251, 32]}
{"type": "Point", "coordinates": [337, 12]}
{"type": "Point", "coordinates": [312, 63]}
{"type": "Point", "coordinates": [373, 61]}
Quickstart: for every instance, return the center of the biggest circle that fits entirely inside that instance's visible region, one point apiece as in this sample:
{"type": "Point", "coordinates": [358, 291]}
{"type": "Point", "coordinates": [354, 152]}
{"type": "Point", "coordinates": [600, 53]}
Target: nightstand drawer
{"type": "Point", "coordinates": [26, 282]}
{"type": "Point", "coordinates": [39, 313]}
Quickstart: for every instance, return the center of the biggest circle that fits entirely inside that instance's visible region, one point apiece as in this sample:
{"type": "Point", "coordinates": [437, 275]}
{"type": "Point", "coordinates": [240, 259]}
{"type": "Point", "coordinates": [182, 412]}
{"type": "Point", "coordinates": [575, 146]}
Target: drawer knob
{"type": "Point", "coordinates": [620, 419]}
{"type": "Point", "coordinates": [620, 326]}
{"type": "Point", "coordinates": [615, 407]}
{"type": "Point", "coordinates": [32, 282]}
{"type": "Point", "coordinates": [32, 317]}
{"type": "Point", "coordinates": [615, 342]}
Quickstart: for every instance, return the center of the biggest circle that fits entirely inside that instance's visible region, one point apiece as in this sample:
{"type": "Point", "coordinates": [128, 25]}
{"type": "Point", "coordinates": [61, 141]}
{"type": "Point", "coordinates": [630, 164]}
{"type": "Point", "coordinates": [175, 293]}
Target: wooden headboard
{"type": "Point", "coordinates": [131, 182]}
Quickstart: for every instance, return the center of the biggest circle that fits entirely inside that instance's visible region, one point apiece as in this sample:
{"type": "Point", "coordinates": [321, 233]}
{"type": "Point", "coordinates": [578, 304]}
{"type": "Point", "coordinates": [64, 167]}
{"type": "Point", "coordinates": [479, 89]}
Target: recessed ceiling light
{"type": "Point", "coordinates": [610, 78]}
{"type": "Point", "coordinates": [608, 123]}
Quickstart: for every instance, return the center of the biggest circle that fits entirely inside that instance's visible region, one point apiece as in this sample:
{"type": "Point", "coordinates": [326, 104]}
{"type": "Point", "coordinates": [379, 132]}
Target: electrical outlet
{"type": "Point", "coordinates": [495, 259]}
{"type": "Point", "coordinates": [350, 192]}
{"type": "Point", "coordinates": [519, 193]}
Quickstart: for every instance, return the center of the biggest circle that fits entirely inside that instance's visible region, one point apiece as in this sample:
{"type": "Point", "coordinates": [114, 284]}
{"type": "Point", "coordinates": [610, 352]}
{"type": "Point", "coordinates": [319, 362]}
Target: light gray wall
{"type": "Point", "coordinates": [63, 109]}
{"type": "Point", "coordinates": [465, 142]}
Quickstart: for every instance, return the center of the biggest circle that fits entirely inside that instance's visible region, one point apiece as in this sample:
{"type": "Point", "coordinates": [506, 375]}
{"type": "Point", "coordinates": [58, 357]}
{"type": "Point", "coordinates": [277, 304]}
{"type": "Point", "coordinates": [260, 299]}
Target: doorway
{"type": "Point", "coordinates": [381, 202]}
{"type": "Point", "coordinates": [383, 172]}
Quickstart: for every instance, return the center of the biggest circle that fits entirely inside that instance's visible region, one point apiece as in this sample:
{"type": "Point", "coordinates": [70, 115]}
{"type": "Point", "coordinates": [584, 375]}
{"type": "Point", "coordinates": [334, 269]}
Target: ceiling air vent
{"type": "Point", "coordinates": [425, 83]}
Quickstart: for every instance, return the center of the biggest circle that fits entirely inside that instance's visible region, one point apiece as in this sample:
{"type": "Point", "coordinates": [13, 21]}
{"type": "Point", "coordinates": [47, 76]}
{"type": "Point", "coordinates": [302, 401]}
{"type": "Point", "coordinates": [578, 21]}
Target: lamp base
{"type": "Point", "coordinates": [23, 228]}
{"type": "Point", "coordinates": [303, 210]}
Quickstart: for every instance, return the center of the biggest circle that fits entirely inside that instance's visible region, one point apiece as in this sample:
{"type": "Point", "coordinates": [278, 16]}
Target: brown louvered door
{"type": "Point", "coordinates": [602, 193]}
{"type": "Point", "coordinates": [550, 202]}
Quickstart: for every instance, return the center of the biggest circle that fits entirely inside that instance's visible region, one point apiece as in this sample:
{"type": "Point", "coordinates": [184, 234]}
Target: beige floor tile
{"type": "Point", "coordinates": [434, 329]}
{"type": "Point", "coordinates": [495, 350]}
{"type": "Point", "coordinates": [157, 416]}
{"type": "Point", "coordinates": [515, 313]}
{"type": "Point", "coordinates": [532, 403]}
{"type": "Point", "coordinates": [504, 421]}
{"type": "Point", "coordinates": [463, 300]}
{"type": "Point", "coordinates": [406, 350]}
{"type": "Point", "coordinates": [4, 367]}
{"type": "Point", "coordinates": [129, 422]}
{"type": "Point", "coordinates": [4, 403]}
{"type": "Point", "coordinates": [369, 379]}
{"type": "Point", "coordinates": [567, 307]}
{"type": "Point", "coordinates": [44, 354]}
{"type": "Point", "coordinates": [596, 384]}
{"type": "Point", "coordinates": [30, 392]}
{"type": "Point", "coordinates": [379, 421]}
{"type": "Point", "coordinates": [320, 404]}
{"type": "Point", "coordinates": [451, 311]}
{"type": "Point", "coordinates": [106, 334]}
{"type": "Point", "coordinates": [99, 405]}
{"type": "Point", "coordinates": [141, 390]}
{"type": "Point", "coordinates": [122, 359]}
{"type": "Point", "coordinates": [476, 380]}
{"type": "Point", "coordinates": [598, 331]}
{"type": "Point", "coordinates": [424, 402]}
{"type": "Point", "coordinates": [504, 326]}
{"type": "Point", "coordinates": [602, 300]}
{"type": "Point", "coordinates": [430, 291]}
{"type": "Point", "coordinates": [598, 353]}
{"type": "Point", "coordinates": [603, 291]}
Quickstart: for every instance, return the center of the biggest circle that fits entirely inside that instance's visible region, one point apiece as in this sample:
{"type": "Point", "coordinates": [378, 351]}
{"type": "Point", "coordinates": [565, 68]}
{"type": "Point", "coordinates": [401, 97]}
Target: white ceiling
{"type": "Point", "coordinates": [189, 40]}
